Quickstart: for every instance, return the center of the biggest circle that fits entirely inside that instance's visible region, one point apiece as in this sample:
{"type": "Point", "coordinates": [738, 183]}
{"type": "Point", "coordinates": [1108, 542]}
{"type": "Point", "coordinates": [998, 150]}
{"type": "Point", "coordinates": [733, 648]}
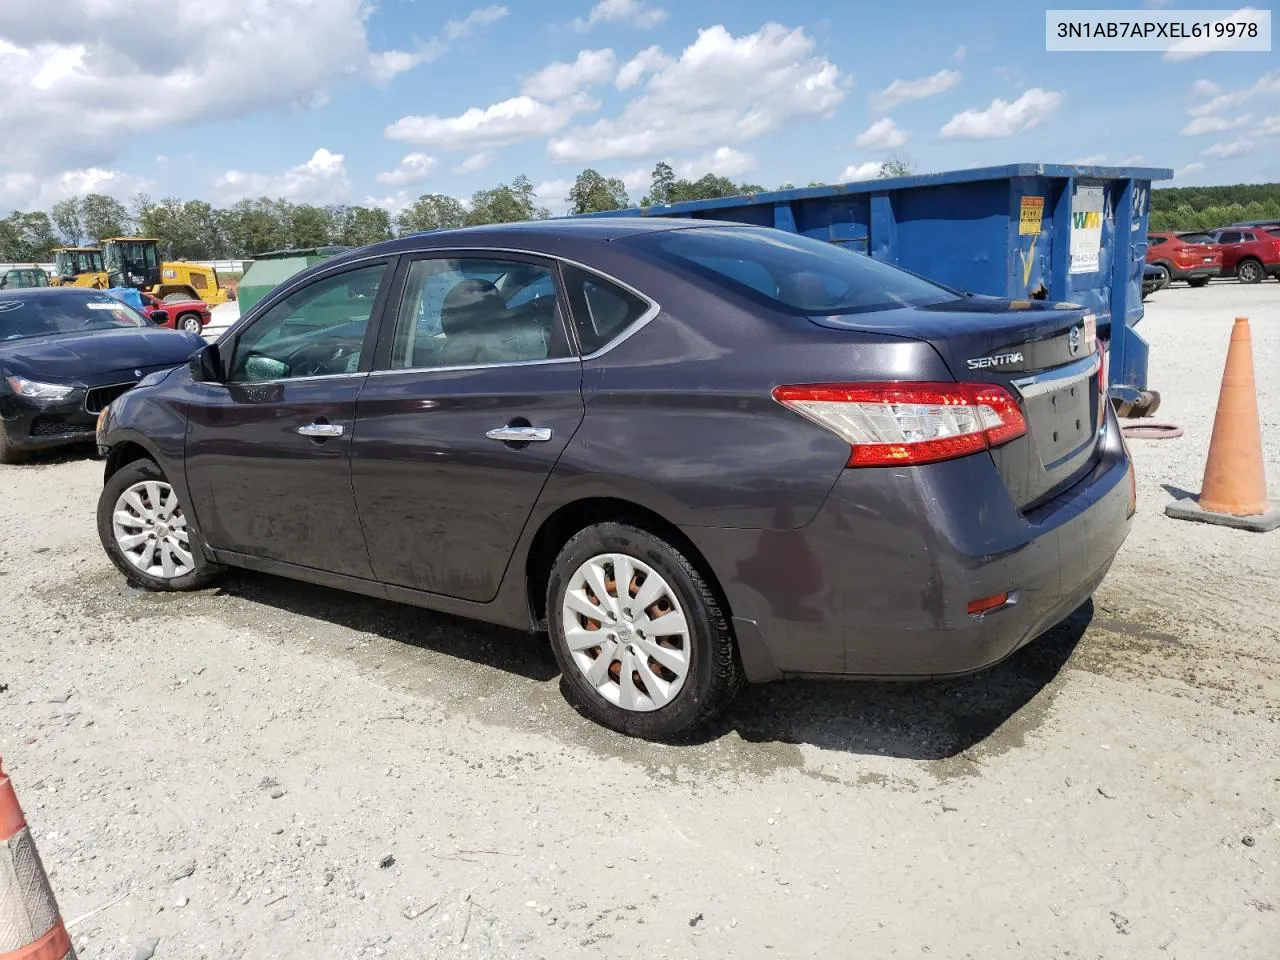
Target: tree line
{"type": "Point", "coordinates": [1203, 208]}
{"type": "Point", "coordinates": [197, 230]}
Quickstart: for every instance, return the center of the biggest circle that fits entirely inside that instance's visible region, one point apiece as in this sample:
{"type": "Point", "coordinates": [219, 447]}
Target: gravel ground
{"type": "Point", "coordinates": [274, 770]}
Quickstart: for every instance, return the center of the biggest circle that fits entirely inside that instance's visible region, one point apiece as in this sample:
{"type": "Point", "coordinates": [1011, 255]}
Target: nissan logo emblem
{"type": "Point", "coordinates": [1073, 340]}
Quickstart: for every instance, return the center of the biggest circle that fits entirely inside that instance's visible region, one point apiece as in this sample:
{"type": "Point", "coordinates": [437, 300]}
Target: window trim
{"type": "Point", "coordinates": [386, 339]}
{"type": "Point", "coordinates": [229, 341]}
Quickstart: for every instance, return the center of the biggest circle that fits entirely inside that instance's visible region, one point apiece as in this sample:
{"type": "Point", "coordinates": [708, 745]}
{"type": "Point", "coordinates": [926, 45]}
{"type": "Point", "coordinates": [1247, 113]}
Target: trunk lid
{"type": "Point", "coordinates": [1042, 353]}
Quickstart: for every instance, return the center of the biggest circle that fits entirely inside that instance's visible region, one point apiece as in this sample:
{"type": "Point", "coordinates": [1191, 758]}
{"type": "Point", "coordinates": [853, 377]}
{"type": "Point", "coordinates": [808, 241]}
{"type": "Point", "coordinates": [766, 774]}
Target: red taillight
{"type": "Point", "coordinates": [906, 422]}
{"type": "Point", "coordinates": [987, 604]}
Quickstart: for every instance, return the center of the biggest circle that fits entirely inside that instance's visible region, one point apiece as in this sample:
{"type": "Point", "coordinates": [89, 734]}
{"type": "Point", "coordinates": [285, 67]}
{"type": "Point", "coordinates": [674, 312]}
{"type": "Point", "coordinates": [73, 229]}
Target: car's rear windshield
{"type": "Point", "coordinates": [49, 314]}
{"type": "Point", "coordinates": [790, 271]}
{"type": "Point", "coordinates": [1195, 238]}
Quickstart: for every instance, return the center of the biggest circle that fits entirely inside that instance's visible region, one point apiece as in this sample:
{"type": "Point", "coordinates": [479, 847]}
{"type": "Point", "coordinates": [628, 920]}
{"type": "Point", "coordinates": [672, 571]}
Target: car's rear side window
{"type": "Point", "coordinates": [602, 310]}
{"type": "Point", "coordinates": [790, 271]}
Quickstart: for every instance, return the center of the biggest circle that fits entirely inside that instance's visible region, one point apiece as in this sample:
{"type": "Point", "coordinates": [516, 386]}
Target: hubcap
{"type": "Point", "coordinates": [191, 325]}
{"type": "Point", "coordinates": [1249, 272]}
{"type": "Point", "coordinates": [151, 530]}
{"type": "Point", "coordinates": [626, 632]}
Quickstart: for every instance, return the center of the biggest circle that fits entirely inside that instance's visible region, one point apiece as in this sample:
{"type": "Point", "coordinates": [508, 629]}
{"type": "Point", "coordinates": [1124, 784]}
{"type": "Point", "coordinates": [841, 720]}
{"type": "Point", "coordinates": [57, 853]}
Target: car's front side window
{"type": "Point", "coordinates": [318, 330]}
{"type": "Point", "coordinates": [453, 312]}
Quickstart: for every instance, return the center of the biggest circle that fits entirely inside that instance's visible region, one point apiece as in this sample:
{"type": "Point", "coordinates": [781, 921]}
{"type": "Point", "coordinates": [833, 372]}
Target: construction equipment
{"type": "Point", "coordinates": [79, 267]}
{"type": "Point", "coordinates": [135, 262]}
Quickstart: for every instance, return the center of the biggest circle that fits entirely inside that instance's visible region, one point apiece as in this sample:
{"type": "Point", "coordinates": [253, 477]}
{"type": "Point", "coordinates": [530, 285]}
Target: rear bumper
{"type": "Point", "coordinates": [878, 584]}
{"type": "Point", "coordinates": [1194, 273]}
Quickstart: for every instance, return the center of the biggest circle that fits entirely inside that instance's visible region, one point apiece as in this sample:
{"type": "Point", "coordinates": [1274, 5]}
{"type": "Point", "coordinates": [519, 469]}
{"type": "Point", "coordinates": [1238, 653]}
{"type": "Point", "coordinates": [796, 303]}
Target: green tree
{"type": "Point", "coordinates": [308, 226]}
{"type": "Point", "coordinates": [506, 203]}
{"type": "Point", "coordinates": [365, 225]}
{"type": "Point", "coordinates": [27, 237]}
{"type": "Point", "coordinates": [661, 182]}
{"type": "Point", "coordinates": [255, 226]}
{"type": "Point", "coordinates": [104, 217]}
{"type": "Point", "coordinates": [67, 218]}
{"type": "Point", "coordinates": [898, 165]}
{"type": "Point", "coordinates": [592, 193]}
{"type": "Point", "coordinates": [431, 211]}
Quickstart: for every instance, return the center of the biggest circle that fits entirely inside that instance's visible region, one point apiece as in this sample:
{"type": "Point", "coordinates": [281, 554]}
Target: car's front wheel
{"type": "Point", "coordinates": [642, 639]}
{"type": "Point", "coordinates": [1163, 279]}
{"type": "Point", "coordinates": [8, 453]}
{"type": "Point", "coordinates": [145, 530]}
{"type": "Point", "coordinates": [190, 322]}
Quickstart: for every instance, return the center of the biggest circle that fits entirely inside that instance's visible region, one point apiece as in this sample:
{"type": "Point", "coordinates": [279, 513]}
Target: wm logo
{"type": "Point", "coordinates": [1087, 220]}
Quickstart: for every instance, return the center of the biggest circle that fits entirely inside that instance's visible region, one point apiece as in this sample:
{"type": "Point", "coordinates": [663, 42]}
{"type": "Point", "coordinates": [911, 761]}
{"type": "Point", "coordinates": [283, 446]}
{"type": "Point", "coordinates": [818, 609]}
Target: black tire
{"type": "Point", "coordinates": [714, 674]}
{"type": "Point", "coordinates": [203, 572]}
{"type": "Point", "coordinates": [1250, 271]}
{"type": "Point", "coordinates": [8, 453]}
{"type": "Point", "coordinates": [181, 323]}
{"type": "Point", "coordinates": [1165, 276]}
{"type": "Point", "coordinates": [1198, 282]}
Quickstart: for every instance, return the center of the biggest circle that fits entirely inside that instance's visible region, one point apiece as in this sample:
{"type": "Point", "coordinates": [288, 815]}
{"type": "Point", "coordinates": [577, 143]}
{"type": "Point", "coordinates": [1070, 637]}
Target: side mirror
{"type": "Point", "coordinates": [160, 317]}
{"type": "Point", "coordinates": [206, 364]}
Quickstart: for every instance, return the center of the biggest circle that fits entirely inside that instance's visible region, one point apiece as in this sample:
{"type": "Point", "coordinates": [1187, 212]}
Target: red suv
{"type": "Point", "coordinates": [1193, 257]}
{"type": "Point", "coordinates": [1249, 254]}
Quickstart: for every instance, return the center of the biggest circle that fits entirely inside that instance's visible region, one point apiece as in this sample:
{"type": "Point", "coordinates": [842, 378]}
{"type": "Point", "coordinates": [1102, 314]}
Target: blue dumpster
{"type": "Point", "coordinates": [1024, 231]}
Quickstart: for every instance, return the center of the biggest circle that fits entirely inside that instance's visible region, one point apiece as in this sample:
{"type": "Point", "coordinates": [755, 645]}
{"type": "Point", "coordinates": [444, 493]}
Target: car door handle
{"type": "Point", "coordinates": [512, 434]}
{"type": "Point", "coordinates": [321, 429]}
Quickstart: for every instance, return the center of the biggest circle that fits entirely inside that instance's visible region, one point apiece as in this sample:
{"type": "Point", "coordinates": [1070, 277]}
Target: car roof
{"type": "Point", "coordinates": [29, 292]}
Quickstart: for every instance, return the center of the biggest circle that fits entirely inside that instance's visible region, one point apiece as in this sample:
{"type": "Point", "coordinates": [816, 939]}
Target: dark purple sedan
{"type": "Point", "coordinates": [694, 453]}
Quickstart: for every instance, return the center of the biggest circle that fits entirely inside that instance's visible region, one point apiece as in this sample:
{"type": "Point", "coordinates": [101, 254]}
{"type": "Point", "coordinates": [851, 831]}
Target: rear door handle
{"type": "Point", "coordinates": [321, 429]}
{"type": "Point", "coordinates": [511, 434]}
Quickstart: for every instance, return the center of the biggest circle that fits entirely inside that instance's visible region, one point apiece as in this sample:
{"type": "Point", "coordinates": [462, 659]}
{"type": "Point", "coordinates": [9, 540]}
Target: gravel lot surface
{"type": "Point", "coordinates": [274, 770]}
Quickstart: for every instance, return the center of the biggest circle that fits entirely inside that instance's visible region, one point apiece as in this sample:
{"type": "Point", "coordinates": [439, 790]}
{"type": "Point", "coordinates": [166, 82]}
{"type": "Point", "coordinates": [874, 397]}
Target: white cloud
{"type": "Point", "coordinates": [961, 53]}
{"type": "Point", "coordinates": [392, 203]}
{"type": "Point", "coordinates": [882, 135]}
{"type": "Point", "coordinates": [473, 21]}
{"type": "Point", "coordinates": [900, 91]}
{"type": "Point", "coordinates": [386, 65]}
{"type": "Point", "coordinates": [413, 168]}
{"type": "Point", "coordinates": [322, 179]}
{"type": "Point", "coordinates": [1266, 85]}
{"type": "Point", "coordinates": [1269, 126]}
{"type": "Point", "coordinates": [1202, 125]}
{"type": "Point", "coordinates": [1092, 160]}
{"type": "Point", "coordinates": [1189, 169]}
{"type": "Point", "coordinates": [860, 171]}
{"type": "Point", "coordinates": [1230, 148]}
{"type": "Point", "coordinates": [558, 80]}
{"type": "Point", "coordinates": [498, 125]}
{"type": "Point", "coordinates": [636, 181]}
{"type": "Point", "coordinates": [646, 61]}
{"type": "Point", "coordinates": [80, 85]}
{"type": "Point", "coordinates": [723, 162]}
{"type": "Point", "coordinates": [722, 89]}
{"type": "Point", "coordinates": [477, 161]}
{"type": "Point", "coordinates": [1003, 119]}
{"type": "Point", "coordinates": [1205, 88]}
{"type": "Point", "coordinates": [636, 13]}
{"type": "Point", "coordinates": [1198, 47]}
{"type": "Point", "coordinates": [554, 195]}
{"type": "Point", "coordinates": [26, 191]}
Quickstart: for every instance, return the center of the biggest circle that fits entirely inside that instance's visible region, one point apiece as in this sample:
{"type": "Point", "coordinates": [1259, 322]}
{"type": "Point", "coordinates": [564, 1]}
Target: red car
{"type": "Point", "coordinates": [190, 315]}
{"type": "Point", "coordinates": [1250, 254]}
{"type": "Point", "coordinates": [1193, 257]}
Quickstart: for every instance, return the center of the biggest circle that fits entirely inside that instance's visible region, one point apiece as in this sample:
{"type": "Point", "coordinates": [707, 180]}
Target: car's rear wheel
{"type": "Point", "coordinates": [145, 530]}
{"type": "Point", "coordinates": [1163, 278]}
{"type": "Point", "coordinates": [1198, 282]}
{"type": "Point", "coordinates": [1249, 271]}
{"type": "Point", "coordinates": [642, 639]}
{"type": "Point", "coordinates": [190, 322]}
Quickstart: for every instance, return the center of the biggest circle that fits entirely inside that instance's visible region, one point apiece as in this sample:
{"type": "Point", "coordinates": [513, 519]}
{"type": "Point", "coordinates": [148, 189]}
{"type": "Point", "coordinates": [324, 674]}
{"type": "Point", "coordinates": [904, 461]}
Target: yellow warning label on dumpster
{"type": "Point", "coordinates": [1030, 214]}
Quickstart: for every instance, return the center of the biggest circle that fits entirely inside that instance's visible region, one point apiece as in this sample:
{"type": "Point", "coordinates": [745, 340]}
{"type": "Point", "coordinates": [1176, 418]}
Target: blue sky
{"type": "Point", "coordinates": [348, 101]}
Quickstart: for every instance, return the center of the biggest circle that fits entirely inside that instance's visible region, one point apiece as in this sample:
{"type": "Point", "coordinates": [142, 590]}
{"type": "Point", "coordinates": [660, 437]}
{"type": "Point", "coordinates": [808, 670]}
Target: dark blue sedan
{"type": "Point", "coordinates": [693, 453]}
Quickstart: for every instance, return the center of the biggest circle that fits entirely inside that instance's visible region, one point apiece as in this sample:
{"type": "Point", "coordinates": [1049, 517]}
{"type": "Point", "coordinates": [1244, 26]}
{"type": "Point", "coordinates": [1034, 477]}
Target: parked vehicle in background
{"type": "Point", "coordinates": [65, 353]}
{"type": "Point", "coordinates": [565, 425]}
{"type": "Point", "coordinates": [1248, 254]}
{"type": "Point", "coordinates": [80, 267]}
{"type": "Point", "coordinates": [135, 262]}
{"type": "Point", "coordinates": [1193, 257]}
{"type": "Point", "coordinates": [1153, 278]}
{"type": "Point", "coordinates": [190, 315]}
{"type": "Point", "coordinates": [21, 278]}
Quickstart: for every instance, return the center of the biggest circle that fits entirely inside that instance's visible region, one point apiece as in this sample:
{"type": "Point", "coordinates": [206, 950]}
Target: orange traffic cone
{"type": "Point", "coordinates": [1234, 491]}
{"type": "Point", "coordinates": [30, 926]}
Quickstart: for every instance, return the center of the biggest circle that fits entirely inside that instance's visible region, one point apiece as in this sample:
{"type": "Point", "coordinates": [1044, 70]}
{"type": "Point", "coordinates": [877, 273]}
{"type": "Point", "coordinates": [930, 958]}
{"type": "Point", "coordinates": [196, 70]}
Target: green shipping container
{"type": "Point", "coordinates": [271, 269]}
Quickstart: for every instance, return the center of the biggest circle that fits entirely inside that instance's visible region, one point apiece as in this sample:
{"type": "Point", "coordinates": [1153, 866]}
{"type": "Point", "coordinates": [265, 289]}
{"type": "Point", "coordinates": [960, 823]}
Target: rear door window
{"type": "Point", "coordinates": [1229, 236]}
